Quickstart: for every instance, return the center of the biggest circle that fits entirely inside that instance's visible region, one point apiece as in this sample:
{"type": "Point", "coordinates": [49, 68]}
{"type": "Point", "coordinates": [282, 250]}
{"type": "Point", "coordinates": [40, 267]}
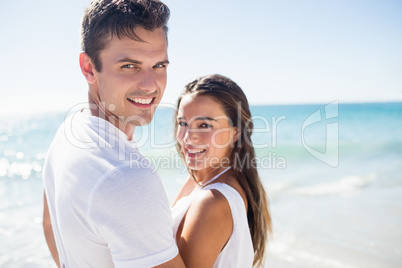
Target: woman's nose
{"type": "Point", "coordinates": [190, 136]}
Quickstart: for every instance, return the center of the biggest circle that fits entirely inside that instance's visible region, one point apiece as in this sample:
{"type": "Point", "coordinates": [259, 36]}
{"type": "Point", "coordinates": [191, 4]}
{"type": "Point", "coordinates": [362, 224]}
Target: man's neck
{"type": "Point", "coordinates": [96, 109]}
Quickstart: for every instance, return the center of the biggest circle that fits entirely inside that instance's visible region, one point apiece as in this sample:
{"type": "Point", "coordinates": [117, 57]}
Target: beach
{"type": "Point", "coordinates": [333, 173]}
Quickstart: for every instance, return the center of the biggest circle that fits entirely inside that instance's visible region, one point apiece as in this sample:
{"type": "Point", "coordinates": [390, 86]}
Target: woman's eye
{"type": "Point", "coordinates": [182, 124]}
{"type": "Point", "coordinates": [205, 125]}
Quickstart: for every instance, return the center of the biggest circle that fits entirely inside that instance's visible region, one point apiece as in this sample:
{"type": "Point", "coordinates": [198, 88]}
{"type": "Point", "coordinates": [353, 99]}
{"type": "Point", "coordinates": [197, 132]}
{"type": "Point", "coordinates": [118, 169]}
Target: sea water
{"type": "Point", "coordinates": [333, 173]}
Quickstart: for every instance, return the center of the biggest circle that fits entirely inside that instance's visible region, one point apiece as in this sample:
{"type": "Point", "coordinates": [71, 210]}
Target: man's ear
{"type": "Point", "coordinates": [87, 68]}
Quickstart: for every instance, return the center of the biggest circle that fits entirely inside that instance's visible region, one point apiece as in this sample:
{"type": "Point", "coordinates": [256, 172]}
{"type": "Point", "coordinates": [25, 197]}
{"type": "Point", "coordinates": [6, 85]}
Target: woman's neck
{"type": "Point", "coordinates": [202, 177]}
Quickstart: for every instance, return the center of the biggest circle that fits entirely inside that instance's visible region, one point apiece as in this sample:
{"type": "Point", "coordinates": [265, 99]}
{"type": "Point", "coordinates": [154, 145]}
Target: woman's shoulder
{"type": "Point", "coordinates": [207, 226]}
{"type": "Point", "coordinates": [231, 189]}
{"type": "Point", "coordinates": [212, 196]}
{"type": "Point", "coordinates": [210, 212]}
{"type": "Point", "coordinates": [211, 204]}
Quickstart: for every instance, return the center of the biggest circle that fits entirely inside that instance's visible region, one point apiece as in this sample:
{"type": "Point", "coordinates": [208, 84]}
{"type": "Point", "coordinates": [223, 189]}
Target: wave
{"type": "Point", "coordinates": [345, 185]}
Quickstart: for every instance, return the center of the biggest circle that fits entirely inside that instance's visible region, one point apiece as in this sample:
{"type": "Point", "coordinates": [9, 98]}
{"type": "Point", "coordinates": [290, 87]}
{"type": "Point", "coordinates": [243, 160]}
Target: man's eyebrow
{"type": "Point", "coordinates": [139, 62]}
{"type": "Point", "coordinates": [163, 62]}
{"type": "Point", "coordinates": [129, 60]}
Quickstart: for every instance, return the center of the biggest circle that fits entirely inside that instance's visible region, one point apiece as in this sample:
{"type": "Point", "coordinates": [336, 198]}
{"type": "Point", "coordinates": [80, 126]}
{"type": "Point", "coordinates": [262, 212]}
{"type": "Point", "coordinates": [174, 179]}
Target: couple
{"type": "Point", "coordinates": [100, 209]}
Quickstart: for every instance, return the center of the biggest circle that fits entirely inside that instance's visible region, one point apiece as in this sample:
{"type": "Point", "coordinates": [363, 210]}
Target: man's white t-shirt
{"type": "Point", "coordinates": [107, 205]}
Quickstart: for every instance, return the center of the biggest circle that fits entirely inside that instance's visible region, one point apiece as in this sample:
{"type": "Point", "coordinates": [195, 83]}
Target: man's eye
{"type": "Point", "coordinates": [128, 66]}
{"type": "Point", "coordinates": [161, 65]}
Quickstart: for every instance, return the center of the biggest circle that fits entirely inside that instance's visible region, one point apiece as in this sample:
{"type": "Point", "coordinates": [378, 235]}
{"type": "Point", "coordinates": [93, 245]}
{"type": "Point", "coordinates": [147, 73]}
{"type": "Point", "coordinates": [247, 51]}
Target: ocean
{"type": "Point", "coordinates": [333, 173]}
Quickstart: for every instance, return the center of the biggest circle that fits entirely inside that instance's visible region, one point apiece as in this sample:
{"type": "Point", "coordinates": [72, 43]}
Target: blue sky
{"type": "Point", "coordinates": [287, 51]}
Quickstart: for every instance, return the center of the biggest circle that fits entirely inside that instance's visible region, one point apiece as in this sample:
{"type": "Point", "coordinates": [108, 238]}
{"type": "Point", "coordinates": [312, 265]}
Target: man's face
{"type": "Point", "coordinates": [133, 76]}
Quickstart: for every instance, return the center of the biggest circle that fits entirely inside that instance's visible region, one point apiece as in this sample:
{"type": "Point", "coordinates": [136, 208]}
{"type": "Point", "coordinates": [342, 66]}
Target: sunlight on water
{"type": "Point", "coordinates": [323, 216]}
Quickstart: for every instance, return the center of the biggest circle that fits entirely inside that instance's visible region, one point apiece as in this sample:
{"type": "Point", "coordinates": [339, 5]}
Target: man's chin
{"type": "Point", "coordinates": [140, 120]}
{"type": "Point", "coordinates": [143, 123]}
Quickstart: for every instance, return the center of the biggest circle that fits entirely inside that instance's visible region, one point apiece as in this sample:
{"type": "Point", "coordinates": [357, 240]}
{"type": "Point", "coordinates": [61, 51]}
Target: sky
{"type": "Point", "coordinates": [279, 52]}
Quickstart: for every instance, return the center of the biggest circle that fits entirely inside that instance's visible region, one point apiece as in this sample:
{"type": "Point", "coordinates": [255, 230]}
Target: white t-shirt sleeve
{"type": "Point", "coordinates": [129, 210]}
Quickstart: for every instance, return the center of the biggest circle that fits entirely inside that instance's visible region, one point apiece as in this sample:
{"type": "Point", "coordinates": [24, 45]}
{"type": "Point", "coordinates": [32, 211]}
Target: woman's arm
{"type": "Point", "coordinates": [48, 230]}
{"type": "Point", "coordinates": [205, 230]}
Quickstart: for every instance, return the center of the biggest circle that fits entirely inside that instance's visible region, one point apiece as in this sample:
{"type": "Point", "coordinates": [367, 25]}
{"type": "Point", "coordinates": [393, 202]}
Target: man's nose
{"type": "Point", "coordinates": [148, 82]}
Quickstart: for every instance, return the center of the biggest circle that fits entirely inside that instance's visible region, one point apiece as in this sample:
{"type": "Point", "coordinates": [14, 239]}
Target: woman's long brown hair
{"type": "Point", "coordinates": [242, 157]}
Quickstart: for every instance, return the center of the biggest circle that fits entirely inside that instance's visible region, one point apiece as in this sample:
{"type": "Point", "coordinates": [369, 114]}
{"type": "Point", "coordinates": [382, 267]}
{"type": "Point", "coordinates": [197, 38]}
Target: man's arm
{"type": "Point", "coordinates": [48, 230]}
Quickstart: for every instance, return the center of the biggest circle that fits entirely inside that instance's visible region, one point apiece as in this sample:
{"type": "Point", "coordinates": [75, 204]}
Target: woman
{"type": "Point", "coordinates": [221, 216]}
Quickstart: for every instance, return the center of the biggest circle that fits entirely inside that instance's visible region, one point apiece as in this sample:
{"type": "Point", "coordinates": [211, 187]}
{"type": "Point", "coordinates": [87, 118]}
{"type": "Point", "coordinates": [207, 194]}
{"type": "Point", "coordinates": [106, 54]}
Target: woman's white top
{"type": "Point", "coordinates": [238, 252]}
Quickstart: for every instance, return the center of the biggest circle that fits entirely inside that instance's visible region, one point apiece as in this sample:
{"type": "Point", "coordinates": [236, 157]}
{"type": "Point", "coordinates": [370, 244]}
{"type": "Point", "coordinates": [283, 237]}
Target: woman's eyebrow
{"type": "Point", "coordinates": [205, 118]}
{"type": "Point", "coordinates": [199, 118]}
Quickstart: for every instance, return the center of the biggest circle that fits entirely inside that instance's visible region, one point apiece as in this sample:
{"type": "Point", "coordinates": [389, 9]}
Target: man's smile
{"type": "Point", "coordinates": [141, 102]}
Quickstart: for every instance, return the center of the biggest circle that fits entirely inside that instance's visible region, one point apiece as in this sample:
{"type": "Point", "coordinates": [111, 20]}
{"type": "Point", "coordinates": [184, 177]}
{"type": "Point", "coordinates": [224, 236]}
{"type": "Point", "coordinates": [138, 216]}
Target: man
{"type": "Point", "coordinates": [101, 209]}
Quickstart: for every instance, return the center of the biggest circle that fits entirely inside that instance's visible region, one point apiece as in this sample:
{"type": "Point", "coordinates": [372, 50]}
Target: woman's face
{"type": "Point", "coordinates": [204, 133]}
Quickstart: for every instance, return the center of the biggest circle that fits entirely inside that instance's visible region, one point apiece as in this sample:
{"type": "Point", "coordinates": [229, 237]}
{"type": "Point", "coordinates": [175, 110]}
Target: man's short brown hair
{"type": "Point", "coordinates": [104, 19]}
